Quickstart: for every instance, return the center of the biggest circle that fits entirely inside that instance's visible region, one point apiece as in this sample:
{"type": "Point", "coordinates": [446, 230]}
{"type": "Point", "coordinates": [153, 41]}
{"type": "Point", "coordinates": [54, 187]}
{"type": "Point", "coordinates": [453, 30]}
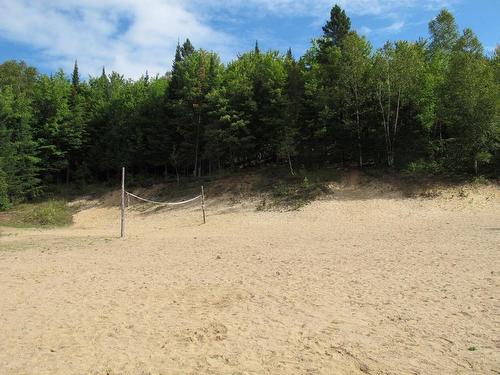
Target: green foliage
{"type": "Point", "coordinates": [425, 107]}
{"type": "Point", "coordinates": [51, 213]}
{"type": "Point", "coordinates": [423, 167]}
{"type": "Point", "coordinates": [4, 191]}
{"type": "Point", "coordinates": [470, 106]}
{"type": "Point", "coordinates": [444, 32]}
{"type": "Point", "coordinates": [354, 79]}
{"type": "Point", "coordinates": [18, 151]}
{"type": "Point", "coordinates": [336, 28]}
{"type": "Point", "coordinates": [295, 193]}
{"type": "Point", "coordinates": [399, 76]}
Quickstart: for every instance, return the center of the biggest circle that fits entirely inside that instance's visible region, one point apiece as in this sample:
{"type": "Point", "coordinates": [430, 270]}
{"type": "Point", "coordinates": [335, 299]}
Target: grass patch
{"type": "Point", "coordinates": [293, 194]}
{"type": "Point", "coordinates": [52, 213]}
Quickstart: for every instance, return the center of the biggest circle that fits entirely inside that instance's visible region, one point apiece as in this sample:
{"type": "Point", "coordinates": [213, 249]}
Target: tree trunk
{"type": "Point", "coordinates": [385, 123]}
{"type": "Point", "coordinates": [195, 171]}
{"type": "Point", "coordinates": [358, 128]}
{"type": "Point", "coordinates": [390, 158]}
{"type": "Point", "coordinates": [440, 137]}
{"type": "Point", "coordinates": [360, 153]}
{"type": "Point", "coordinates": [476, 168]}
{"type": "Point", "coordinates": [290, 164]}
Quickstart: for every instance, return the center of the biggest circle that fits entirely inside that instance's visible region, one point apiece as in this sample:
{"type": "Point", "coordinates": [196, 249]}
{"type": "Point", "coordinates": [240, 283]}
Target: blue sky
{"type": "Point", "coordinates": [132, 36]}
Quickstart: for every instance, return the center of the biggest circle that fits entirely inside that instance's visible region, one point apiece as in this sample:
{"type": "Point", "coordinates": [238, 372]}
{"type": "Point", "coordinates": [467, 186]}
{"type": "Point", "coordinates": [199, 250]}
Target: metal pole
{"type": "Point", "coordinates": [203, 203]}
{"type": "Point", "coordinates": [122, 206]}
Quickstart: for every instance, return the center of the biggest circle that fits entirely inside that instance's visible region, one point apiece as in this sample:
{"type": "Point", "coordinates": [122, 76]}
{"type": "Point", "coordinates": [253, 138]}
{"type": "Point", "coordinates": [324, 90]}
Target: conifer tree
{"type": "Point", "coordinates": [336, 28]}
{"type": "Point", "coordinates": [256, 49]}
{"type": "Point", "coordinates": [187, 49]}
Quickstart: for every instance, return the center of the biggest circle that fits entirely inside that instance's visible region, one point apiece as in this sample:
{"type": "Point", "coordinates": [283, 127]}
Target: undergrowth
{"type": "Point", "coordinates": [295, 192]}
{"type": "Point", "coordinates": [51, 213]}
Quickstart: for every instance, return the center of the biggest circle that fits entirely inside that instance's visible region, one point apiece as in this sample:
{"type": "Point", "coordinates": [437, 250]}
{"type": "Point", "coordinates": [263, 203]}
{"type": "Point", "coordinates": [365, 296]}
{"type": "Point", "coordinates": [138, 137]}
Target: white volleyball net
{"type": "Point", "coordinates": [127, 195]}
{"type": "Point", "coordinates": [180, 203]}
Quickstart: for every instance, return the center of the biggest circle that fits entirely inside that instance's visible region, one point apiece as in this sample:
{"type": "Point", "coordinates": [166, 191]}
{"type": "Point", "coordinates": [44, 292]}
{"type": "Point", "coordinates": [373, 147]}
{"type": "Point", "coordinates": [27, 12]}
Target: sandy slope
{"type": "Point", "coordinates": [379, 286]}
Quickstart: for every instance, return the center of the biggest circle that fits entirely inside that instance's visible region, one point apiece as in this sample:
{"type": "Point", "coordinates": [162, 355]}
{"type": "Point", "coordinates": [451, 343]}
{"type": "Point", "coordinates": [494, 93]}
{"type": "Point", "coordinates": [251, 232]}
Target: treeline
{"type": "Point", "coordinates": [430, 105]}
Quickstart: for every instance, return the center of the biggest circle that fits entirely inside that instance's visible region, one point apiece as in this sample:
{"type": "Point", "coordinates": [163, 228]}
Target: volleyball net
{"type": "Point", "coordinates": [126, 195]}
{"type": "Point", "coordinates": [129, 194]}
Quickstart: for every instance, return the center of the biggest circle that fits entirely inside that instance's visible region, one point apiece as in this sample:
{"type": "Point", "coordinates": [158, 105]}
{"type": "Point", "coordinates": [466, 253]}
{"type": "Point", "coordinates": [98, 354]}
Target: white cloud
{"type": "Point", "coordinates": [393, 28]}
{"type": "Point", "coordinates": [132, 36]}
{"type": "Point", "coordinates": [365, 30]}
{"type": "Point", "coordinates": [320, 8]}
{"type": "Point", "coordinates": [128, 36]}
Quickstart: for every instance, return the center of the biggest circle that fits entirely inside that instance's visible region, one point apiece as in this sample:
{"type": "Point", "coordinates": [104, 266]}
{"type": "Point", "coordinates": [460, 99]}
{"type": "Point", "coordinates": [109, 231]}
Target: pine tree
{"type": "Point", "coordinates": [76, 130]}
{"type": "Point", "coordinates": [75, 80]}
{"type": "Point", "coordinates": [18, 150]}
{"type": "Point", "coordinates": [293, 92]}
{"type": "Point", "coordinates": [187, 49]}
{"type": "Point", "coordinates": [173, 89]}
{"type": "Point", "coordinates": [336, 28]}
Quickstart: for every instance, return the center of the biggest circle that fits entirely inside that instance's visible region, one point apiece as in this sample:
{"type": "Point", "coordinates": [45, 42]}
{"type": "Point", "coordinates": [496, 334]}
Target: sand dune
{"type": "Point", "coordinates": [376, 286]}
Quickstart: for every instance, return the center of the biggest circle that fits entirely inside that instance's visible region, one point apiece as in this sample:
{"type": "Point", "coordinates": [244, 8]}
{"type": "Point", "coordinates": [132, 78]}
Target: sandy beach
{"type": "Point", "coordinates": [342, 286]}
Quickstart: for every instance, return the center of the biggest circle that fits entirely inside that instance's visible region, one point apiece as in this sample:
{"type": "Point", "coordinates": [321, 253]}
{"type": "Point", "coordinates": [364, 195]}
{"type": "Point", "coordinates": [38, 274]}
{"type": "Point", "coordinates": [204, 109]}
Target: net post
{"type": "Point", "coordinates": [122, 206]}
{"type": "Point", "coordinates": [203, 204]}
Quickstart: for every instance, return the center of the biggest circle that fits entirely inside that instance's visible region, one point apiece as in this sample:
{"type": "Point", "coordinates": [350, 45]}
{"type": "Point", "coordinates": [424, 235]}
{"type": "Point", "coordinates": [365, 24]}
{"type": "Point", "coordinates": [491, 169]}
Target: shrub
{"type": "Point", "coordinates": [4, 197]}
{"type": "Point", "coordinates": [45, 214]}
{"type": "Point", "coordinates": [422, 167]}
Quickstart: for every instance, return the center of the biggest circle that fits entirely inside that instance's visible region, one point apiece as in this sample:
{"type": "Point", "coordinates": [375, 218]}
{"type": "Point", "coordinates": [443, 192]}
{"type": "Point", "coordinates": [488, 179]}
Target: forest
{"type": "Point", "coordinates": [429, 106]}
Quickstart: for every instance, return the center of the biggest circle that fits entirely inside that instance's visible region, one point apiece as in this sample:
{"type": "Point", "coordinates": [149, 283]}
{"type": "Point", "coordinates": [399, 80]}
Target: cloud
{"type": "Point", "coordinates": [128, 36]}
{"type": "Point", "coordinates": [132, 36]}
{"type": "Point", "coordinates": [321, 7]}
{"type": "Point", "coordinates": [393, 28]}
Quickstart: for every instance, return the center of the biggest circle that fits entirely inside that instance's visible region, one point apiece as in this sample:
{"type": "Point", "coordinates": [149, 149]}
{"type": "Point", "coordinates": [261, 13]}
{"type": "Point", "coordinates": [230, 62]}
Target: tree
{"type": "Point", "coordinates": [399, 73]}
{"type": "Point", "coordinates": [433, 102]}
{"type": "Point", "coordinates": [495, 62]}
{"type": "Point", "coordinates": [336, 28]}
{"type": "Point", "coordinates": [19, 164]}
{"type": "Point", "coordinates": [53, 127]}
{"type": "Point", "coordinates": [444, 32]}
{"type": "Point", "coordinates": [187, 49]}
{"type": "Point", "coordinates": [256, 49]}
{"type": "Point", "coordinates": [4, 194]}
{"type": "Point", "coordinates": [317, 128]}
{"type": "Point", "coordinates": [470, 105]}
{"type": "Point", "coordinates": [294, 88]}
{"type": "Point", "coordinates": [193, 77]}
{"type": "Point", "coordinates": [75, 84]}
{"type": "Point", "coordinates": [354, 83]}
{"type": "Point", "coordinates": [76, 131]}
{"type": "Point", "coordinates": [19, 76]}
{"type": "Point", "coordinates": [18, 151]}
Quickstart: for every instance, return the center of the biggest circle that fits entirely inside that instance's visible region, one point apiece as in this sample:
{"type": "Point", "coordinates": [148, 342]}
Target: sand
{"type": "Point", "coordinates": [342, 286]}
